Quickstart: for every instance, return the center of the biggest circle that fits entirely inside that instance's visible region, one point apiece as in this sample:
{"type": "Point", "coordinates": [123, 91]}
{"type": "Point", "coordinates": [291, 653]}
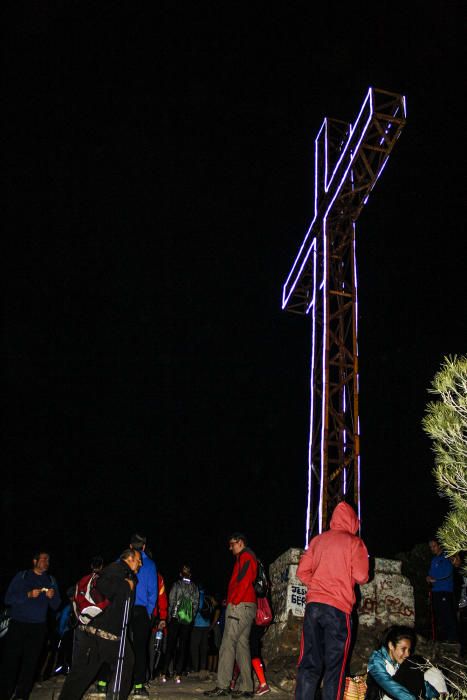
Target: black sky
{"type": "Point", "coordinates": [158, 180]}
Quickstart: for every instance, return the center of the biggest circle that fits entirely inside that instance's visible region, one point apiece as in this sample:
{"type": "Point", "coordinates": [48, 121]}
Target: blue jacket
{"type": "Point", "coordinates": [442, 570]}
{"type": "Point", "coordinates": [147, 588]}
{"type": "Point", "coordinates": [24, 609]}
{"type": "Point", "coordinates": [201, 621]}
{"type": "Point", "coordinates": [379, 665]}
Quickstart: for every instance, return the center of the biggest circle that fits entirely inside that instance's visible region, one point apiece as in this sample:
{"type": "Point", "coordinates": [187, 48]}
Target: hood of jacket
{"type": "Point", "coordinates": [344, 518]}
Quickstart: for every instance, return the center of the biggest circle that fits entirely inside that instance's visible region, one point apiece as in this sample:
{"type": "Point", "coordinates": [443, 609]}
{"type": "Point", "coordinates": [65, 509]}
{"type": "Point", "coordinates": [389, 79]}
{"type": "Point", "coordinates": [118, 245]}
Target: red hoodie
{"type": "Point", "coordinates": [335, 561]}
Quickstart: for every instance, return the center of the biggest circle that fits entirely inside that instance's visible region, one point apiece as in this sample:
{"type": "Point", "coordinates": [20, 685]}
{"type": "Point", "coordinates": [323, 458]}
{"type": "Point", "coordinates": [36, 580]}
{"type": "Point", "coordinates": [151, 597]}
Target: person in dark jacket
{"type": "Point", "coordinates": [117, 582]}
{"type": "Point", "coordinates": [30, 595]}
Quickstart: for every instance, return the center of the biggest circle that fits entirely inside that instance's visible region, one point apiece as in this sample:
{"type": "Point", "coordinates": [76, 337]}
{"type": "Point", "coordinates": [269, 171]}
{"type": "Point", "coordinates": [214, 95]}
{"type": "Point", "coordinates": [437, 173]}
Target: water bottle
{"type": "Point", "coordinates": [158, 640]}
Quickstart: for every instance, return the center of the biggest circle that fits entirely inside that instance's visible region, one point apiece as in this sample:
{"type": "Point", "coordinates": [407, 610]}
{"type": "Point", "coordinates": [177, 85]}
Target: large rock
{"type": "Point", "coordinates": [386, 600]}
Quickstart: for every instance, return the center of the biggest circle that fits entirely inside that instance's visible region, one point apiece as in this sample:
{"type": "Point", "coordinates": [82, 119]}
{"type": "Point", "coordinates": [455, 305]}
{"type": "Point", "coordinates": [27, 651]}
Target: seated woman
{"type": "Point", "coordinates": [393, 672]}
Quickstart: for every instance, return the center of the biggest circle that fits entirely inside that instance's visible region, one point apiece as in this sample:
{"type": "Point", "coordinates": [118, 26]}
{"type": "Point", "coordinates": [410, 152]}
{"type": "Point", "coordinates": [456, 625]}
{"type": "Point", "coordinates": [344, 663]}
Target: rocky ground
{"type": "Point", "coordinates": [191, 687]}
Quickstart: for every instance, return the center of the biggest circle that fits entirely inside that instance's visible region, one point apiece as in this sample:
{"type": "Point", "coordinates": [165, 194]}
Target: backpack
{"type": "Point", "coordinates": [206, 609]}
{"type": "Point", "coordinates": [185, 610]}
{"type": "Point", "coordinates": [263, 613]}
{"type": "Point", "coordinates": [260, 583]}
{"type": "Point", "coordinates": [88, 602]}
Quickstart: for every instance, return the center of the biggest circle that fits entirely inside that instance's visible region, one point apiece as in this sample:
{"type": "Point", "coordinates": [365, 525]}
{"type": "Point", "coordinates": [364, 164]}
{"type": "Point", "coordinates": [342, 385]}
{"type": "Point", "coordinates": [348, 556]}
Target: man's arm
{"type": "Point", "coordinates": [17, 591]}
{"type": "Point", "coordinates": [305, 567]}
{"type": "Point", "coordinates": [360, 562]}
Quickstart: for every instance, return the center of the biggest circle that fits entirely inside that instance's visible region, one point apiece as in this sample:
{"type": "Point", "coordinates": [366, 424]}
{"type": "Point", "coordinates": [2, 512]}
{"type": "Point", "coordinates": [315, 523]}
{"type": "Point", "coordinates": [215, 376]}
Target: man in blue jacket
{"type": "Point", "coordinates": [30, 595]}
{"type": "Point", "coordinates": [145, 602]}
{"type": "Point", "coordinates": [441, 578]}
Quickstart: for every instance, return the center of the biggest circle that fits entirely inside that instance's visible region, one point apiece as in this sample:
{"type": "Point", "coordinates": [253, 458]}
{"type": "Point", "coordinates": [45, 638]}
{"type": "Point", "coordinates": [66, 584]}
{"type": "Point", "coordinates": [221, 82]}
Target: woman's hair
{"type": "Point", "coordinates": [395, 633]}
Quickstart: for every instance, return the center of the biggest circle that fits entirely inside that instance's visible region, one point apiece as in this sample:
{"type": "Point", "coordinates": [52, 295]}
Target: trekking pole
{"type": "Point", "coordinates": [115, 692]}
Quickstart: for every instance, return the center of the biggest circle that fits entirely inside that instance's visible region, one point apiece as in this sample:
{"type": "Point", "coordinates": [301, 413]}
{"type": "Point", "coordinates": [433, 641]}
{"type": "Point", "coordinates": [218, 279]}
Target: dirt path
{"type": "Point", "coordinates": [191, 687]}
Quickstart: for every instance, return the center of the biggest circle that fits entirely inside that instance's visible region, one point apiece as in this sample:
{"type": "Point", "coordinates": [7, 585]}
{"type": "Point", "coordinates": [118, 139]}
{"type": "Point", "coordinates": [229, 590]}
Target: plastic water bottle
{"type": "Point", "coordinates": [158, 640]}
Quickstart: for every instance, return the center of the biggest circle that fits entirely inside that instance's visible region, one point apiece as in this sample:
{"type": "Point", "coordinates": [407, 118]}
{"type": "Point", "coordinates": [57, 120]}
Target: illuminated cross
{"type": "Point", "coordinates": [323, 280]}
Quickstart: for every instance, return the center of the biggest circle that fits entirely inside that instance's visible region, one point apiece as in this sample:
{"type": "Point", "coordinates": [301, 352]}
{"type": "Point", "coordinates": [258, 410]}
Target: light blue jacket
{"type": "Point", "coordinates": [380, 664]}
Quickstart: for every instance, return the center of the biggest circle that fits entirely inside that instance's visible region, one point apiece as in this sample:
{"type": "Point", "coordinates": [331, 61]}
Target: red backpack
{"type": "Point", "coordinates": [88, 602]}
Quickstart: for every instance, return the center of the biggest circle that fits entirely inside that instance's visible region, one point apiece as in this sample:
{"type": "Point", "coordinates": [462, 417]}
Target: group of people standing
{"type": "Point", "coordinates": [133, 606]}
{"type": "Point", "coordinates": [135, 602]}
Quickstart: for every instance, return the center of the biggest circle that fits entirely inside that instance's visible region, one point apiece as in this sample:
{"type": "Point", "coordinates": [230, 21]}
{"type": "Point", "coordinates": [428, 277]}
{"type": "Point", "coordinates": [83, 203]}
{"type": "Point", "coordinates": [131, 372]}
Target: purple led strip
{"type": "Point", "coordinates": [358, 376]}
{"type": "Point", "coordinates": [327, 184]}
{"type": "Point", "coordinates": [285, 298]}
{"type": "Point", "coordinates": [310, 455]}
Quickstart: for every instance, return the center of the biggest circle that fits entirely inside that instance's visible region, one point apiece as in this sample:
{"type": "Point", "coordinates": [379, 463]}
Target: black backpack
{"type": "Point", "coordinates": [261, 584]}
{"type": "Point", "coordinates": [206, 609]}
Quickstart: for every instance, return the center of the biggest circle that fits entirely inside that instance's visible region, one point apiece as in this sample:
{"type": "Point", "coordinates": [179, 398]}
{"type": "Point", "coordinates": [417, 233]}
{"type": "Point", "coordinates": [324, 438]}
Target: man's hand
{"type": "Point", "coordinates": [430, 579]}
{"type": "Point", "coordinates": [50, 592]}
{"type": "Point", "coordinates": [35, 593]}
{"type": "Point", "coordinates": [130, 583]}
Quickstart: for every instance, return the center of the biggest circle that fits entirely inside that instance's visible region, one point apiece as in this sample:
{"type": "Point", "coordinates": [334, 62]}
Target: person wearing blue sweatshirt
{"type": "Point", "coordinates": [29, 596]}
{"type": "Point", "coordinates": [145, 602]}
{"type": "Point", "coordinates": [441, 578]}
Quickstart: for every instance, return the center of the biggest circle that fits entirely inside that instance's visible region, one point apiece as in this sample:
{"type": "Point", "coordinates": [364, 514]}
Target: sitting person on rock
{"type": "Point", "coordinates": [393, 671]}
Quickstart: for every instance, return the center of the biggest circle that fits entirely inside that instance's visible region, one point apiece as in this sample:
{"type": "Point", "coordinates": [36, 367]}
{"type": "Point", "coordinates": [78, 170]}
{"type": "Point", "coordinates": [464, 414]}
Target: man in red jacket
{"type": "Point", "coordinates": [331, 566]}
{"type": "Point", "coordinates": [239, 617]}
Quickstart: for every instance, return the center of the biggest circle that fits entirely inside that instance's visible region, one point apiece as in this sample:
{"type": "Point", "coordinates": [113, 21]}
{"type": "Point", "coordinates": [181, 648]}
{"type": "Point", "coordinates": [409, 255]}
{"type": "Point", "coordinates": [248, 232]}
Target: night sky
{"type": "Point", "coordinates": [158, 181]}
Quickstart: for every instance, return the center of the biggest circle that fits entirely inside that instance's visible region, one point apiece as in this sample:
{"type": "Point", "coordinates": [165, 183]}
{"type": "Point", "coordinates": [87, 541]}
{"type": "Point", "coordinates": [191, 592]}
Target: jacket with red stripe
{"type": "Point", "coordinates": [335, 561]}
{"type": "Point", "coordinates": [241, 588]}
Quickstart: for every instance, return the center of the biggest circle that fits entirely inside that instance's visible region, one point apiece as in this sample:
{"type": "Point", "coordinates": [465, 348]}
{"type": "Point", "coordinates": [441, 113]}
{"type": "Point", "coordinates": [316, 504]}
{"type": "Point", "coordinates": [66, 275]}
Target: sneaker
{"type": "Point", "coordinates": [232, 685]}
{"type": "Point", "coordinates": [163, 679]}
{"type": "Point", "coordinates": [141, 692]}
{"type": "Point", "coordinates": [217, 692]}
{"type": "Point", "coordinates": [263, 689]}
{"type": "Point", "coordinates": [177, 680]}
{"type": "Point", "coordinates": [100, 689]}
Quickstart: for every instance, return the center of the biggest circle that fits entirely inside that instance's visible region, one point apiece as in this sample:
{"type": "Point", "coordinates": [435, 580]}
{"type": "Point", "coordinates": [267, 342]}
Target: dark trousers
{"type": "Point", "coordinates": [199, 648]}
{"type": "Point", "coordinates": [93, 653]}
{"type": "Point", "coordinates": [445, 616]}
{"type": "Point", "coordinates": [324, 649]}
{"type": "Point", "coordinates": [141, 629]}
{"type": "Point", "coordinates": [176, 631]}
{"type": "Point", "coordinates": [22, 648]}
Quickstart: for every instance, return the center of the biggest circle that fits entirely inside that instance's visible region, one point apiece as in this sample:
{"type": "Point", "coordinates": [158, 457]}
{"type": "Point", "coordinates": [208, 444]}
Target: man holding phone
{"type": "Point", "coordinates": [30, 595]}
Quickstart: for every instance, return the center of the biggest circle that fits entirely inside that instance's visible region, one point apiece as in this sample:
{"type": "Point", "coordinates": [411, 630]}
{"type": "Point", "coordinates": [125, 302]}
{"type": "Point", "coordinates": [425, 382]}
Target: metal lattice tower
{"type": "Point", "coordinates": [323, 280]}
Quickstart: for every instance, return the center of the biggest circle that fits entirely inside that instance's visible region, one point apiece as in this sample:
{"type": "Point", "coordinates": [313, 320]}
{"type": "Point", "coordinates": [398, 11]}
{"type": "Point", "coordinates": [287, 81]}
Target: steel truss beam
{"type": "Point", "coordinates": [348, 162]}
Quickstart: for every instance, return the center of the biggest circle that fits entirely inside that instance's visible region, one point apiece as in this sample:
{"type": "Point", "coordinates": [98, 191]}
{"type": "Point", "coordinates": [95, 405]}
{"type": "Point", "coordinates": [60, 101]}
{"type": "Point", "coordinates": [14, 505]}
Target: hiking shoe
{"type": "Point", "coordinates": [217, 692]}
{"type": "Point", "coordinates": [141, 692]}
{"type": "Point", "coordinates": [263, 689]}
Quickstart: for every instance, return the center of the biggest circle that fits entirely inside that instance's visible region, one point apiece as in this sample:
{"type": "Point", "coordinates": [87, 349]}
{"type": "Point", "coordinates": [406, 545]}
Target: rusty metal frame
{"type": "Point", "coordinates": [348, 162]}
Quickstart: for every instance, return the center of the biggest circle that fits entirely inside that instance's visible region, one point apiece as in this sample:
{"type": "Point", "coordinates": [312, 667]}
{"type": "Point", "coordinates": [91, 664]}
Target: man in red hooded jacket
{"type": "Point", "coordinates": [334, 562]}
